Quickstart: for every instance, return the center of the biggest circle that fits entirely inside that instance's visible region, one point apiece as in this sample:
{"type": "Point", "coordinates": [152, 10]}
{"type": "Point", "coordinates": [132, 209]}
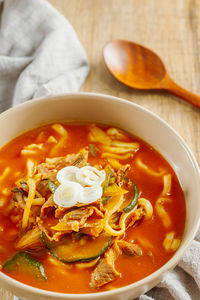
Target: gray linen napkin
{"type": "Point", "coordinates": [40, 53]}
{"type": "Point", "coordinates": [183, 283]}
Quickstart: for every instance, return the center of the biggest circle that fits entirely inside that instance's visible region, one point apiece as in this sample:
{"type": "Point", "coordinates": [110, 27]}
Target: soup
{"type": "Point", "coordinates": [86, 208]}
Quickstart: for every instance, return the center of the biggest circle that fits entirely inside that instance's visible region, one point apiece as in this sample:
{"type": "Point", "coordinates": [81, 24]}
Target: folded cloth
{"type": "Point", "coordinates": [183, 283]}
{"type": "Point", "coordinates": [40, 53]}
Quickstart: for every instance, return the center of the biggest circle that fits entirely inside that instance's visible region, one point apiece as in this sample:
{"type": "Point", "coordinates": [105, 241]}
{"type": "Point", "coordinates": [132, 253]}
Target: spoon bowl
{"type": "Point", "coordinates": [141, 68]}
{"type": "Point", "coordinates": [134, 65]}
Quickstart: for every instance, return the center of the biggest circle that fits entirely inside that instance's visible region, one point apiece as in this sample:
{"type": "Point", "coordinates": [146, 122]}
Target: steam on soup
{"type": "Point", "coordinates": [86, 208]}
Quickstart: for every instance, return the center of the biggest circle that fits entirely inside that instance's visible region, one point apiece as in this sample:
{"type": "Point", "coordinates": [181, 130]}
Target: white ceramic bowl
{"type": "Point", "coordinates": [134, 119]}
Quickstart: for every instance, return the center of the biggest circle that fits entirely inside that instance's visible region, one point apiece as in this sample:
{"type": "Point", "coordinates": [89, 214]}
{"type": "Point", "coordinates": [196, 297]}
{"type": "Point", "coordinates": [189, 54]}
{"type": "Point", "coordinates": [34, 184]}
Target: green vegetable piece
{"type": "Point", "coordinates": [134, 201]}
{"type": "Point", "coordinates": [52, 186]}
{"type": "Point", "coordinates": [92, 150]}
{"type": "Point", "coordinates": [83, 250]}
{"type": "Point", "coordinates": [107, 180]}
{"type": "Point", "coordinates": [78, 235]}
{"type": "Point", "coordinates": [25, 263]}
{"type": "Point", "coordinates": [105, 199]}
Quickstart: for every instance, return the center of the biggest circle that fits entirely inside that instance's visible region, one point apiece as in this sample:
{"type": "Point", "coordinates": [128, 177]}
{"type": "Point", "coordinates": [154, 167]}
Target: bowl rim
{"type": "Point", "coordinates": [170, 264]}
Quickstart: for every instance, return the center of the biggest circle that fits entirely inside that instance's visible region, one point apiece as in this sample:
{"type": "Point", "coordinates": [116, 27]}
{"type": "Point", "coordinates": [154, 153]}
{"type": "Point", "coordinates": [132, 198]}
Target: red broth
{"type": "Point", "coordinates": [149, 234]}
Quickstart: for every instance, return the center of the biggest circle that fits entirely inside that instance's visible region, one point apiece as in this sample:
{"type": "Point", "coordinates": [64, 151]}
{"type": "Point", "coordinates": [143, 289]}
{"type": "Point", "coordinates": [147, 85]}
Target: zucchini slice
{"type": "Point", "coordinates": [25, 263]}
{"type": "Point", "coordinates": [70, 250]}
{"type": "Point", "coordinates": [105, 199]}
{"type": "Point", "coordinates": [52, 186]}
{"type": "Point", "coordinates": [134, 200]}
{"type": "Point", "coordinates": [107, 180]}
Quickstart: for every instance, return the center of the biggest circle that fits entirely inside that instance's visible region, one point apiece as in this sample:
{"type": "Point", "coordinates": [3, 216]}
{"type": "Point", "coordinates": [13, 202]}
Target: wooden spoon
{"type": "Point", "coordinates": [140, 68]}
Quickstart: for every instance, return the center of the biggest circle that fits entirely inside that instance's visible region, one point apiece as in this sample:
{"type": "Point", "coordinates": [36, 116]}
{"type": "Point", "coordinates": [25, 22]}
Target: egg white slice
{"type": "Point", "coordinates": [67, 174]}
{"type": "Point", "coordinates": [68, 194]}
{"type": "Point", "coordinates": [91, 194]}
{"type": "Point", "coordinates": [90, 176]}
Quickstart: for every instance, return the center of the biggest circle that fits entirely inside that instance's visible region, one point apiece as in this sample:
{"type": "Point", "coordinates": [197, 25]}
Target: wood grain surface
{"type": "Point", "coordinates": [170, 28]}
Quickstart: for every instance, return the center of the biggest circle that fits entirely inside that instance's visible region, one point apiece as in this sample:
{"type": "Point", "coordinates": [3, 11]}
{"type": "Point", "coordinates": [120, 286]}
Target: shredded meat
{"type": "Point", "coordinates": [80, 159]}
{"type": "Point", "coordinates": [19, 192]}
{"type": "Point", "coordinates": [105, 271]}
{"type": "Point", "coordinates": [93, 227]}
{"type": "Point", "coordinates": [121, 173]}
{"type": "Point", "coordinates": [136, 216]}
{"type": "Point", "coordinates": [31, 240]}
{"type": "Point", "coordinates": [49, 169]}
{"type": "Point", "coordinates": [114, 219]}
{"type": "Point", "coordinates": [46, 172]}
{"type": "Point", "coordinates": [18, 196]}
{"type": "Point", "coordinates": [60, 211]}
{"type": "Point", "coordinates": [84, 217]}
{"type": "Point", "coordinates": [79, 214]}
{"type": "Point", "coordinates": [92, 150]}
{"type": "Point", "coordinates": [51, 236]}
{"type": "Point", "coordinates": [43, 188]}
{"type": "Point", "coordinates": [83, 213]}
{"type": "Point", "coordinates": [24, 187]}
{"type": "Point", "coordinates": [100, 205]}
{"type": "Point", "coordinates": [49, 205]}
{"type": "Point", "coordinates": [129, 249]}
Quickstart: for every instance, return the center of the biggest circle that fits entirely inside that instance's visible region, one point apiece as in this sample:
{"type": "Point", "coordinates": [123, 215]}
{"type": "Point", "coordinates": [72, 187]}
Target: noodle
{"type": "Point", "coordinates": [30, 167]}
{"type": "Point", "coordinates": [115, 132]}
{"type": "Point", "coordinates": [162, 212]}
{"type": "Point", "coordinates": [146, 204]}
{"type": "Point", "coordinates": [132, 146]}
{"type": "Point", "coordinates": [31, 195]}
{"type": "Point", "coordinates": [148, 169]}
{"type": "Point", "coordinates": [167, 179]}
{"type": "Point", "coordinates": [64, 135]}
{"type": "Point", "coordinates": [112, 155]}
{"type": "Point", "coordinates": [114, 163]}
{"type": "Point", "coordinates": [4, 174]}
{"type": "Point", "coordinates": [33, 146]}
{"type": "Point", "coordinates": [168, 240]}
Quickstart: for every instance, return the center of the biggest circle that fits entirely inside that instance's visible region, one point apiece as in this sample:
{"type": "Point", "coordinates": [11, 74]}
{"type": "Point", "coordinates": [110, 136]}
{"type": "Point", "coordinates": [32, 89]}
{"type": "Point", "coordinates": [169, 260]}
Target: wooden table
{"type": "Point", "coordinates": [170, 28]}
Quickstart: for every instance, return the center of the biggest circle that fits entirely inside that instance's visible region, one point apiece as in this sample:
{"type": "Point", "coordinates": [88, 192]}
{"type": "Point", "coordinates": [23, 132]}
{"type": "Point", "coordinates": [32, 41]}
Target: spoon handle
{"type": "Point", "coordinates": [173, 88]}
